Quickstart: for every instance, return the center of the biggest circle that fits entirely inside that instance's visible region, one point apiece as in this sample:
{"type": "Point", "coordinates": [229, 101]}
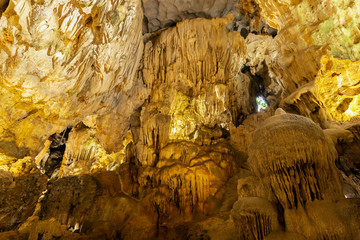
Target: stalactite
{"type": "Point", "coordinates": [254, 218]}
{"type": "Point", "coordinates": [296, 160]}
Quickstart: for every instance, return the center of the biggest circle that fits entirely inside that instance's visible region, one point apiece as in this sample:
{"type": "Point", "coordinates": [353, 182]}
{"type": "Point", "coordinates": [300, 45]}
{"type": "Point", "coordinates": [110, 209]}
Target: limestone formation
{"type": "Point", "coordinates": [346, 139]}
{"type": "Point", "coordinates": [338, 88]}
{"type": "Point", "coordinates": [299, 168]}
{"type": "Point", "coordinates": [205, 69]}
{"type": "Point", "coordinates": [83, 153]}
{"type": "Point", "coordinates": [316, 23]}
{"type": "Point", "coordinates": [189, 100]}
{"type": "Point", "coordinates": [19, 196]}
{"type": "Point", "coordinates": [295, 160]}
{"type": "Point", "coordinates": [254, 218]}
{"type": "Point", "coordinates": [251, 186]}
{"type": "Point", "coordinates": [304, 102]}
{"type": "Point", "coordinates": [161, 14]}
{"type": "Point", "coordinates": [61, 61]}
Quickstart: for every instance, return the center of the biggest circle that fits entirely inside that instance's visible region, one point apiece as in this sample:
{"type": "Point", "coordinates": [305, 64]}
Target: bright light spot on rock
{"type": "Point", "coordinates": [352, 110]}
{"type": "Point", "coordinates": [349, 112]}
{"type": "Point", "coordinates": [337, 87]}
{"type": "Point", "coordinates": [261, 102]}
{"type": "Point", "coordinates": [339, 81]}
{"type": "Point", "coordinates": [59, 55]}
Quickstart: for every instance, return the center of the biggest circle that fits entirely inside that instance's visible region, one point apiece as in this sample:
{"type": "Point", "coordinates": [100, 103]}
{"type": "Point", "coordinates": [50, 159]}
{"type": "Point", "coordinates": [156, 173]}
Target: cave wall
{"type": "Point", "coordinates": [132, 119]}
{"type": "Point", "coordinates": [62, 61]}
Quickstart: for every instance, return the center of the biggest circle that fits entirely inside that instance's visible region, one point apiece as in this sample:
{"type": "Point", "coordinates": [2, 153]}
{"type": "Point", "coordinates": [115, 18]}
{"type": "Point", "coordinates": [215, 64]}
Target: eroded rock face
{"type": "Point", "coordinates": [19, 196]}
{"type": "Point", "coordinates": [254, 218]}
{"type": "Point", "coordinates": [160, 14]}
{"type": "Point", "coordinates": [346, 140]}
{"type": "Point", "coordinates": [338, 88]}
{"type": "Point", "coordinates": [61, 61]}
{"type": "Point", "coordinates": [303, 178]}
{"type": "Point", "coordinates": [199, 83]}
{"type": "Point", "coordinates": [304, 102]}
{"type": "Point", "coordinates": [69, 199]}
{"type": "Point", "coordinates": [299, 168]}
{"type": "Point", "coordinates": [196, 90]}
{"type": "Point", "coordinates": [91, 204]}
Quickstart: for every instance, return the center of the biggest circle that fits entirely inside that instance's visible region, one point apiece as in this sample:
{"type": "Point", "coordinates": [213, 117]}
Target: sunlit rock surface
{"type": "Point", "coordinates": [333, 22]}
{"type": "Point", "coordinates": [338, 88]}
{"type": "Point", "coordinates": [155, 119]}
{"type": "Point", "coordinates": [305, 28]}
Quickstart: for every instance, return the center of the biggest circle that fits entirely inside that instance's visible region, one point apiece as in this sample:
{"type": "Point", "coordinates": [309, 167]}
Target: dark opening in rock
{"type": "Point", "coordinates": [3, 6]}
{"type": "Point", "coordinates": [51, 162]}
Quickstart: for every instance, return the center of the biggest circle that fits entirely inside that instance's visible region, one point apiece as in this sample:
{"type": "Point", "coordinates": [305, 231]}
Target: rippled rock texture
{"type": "Point", "coordinates": [61, 61]}
{"type": "Point", "coordinates": [160, 14]}
{"type": "Point", "coordinates": [299, 169]}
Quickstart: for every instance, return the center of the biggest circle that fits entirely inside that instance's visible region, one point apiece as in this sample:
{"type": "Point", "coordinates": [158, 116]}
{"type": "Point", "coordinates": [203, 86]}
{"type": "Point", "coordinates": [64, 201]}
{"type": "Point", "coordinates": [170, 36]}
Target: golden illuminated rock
{"type": "Point", "coordinates": [198, 83]}
{"type": "Point", "coordinates": [338, 88]}
{"type": "Point", "coordinates": [333, 22]}
{"type": "Point", "coordinates": [84, 154]}
{"type": "Point", "coordinates": [16, 166]}
{"type": "Point", "coordinates": [306, 31]}
{"type": "Point", "coordinates": [196, 90]}
{"type": "Point", "coordinates": [154, 119]}
{"type": "Point", "coordinates": [304, 102]}
{"type": "Point", "coordinates": [61, 61]}
{"type": "Point", "coordinates": [296, 160]}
